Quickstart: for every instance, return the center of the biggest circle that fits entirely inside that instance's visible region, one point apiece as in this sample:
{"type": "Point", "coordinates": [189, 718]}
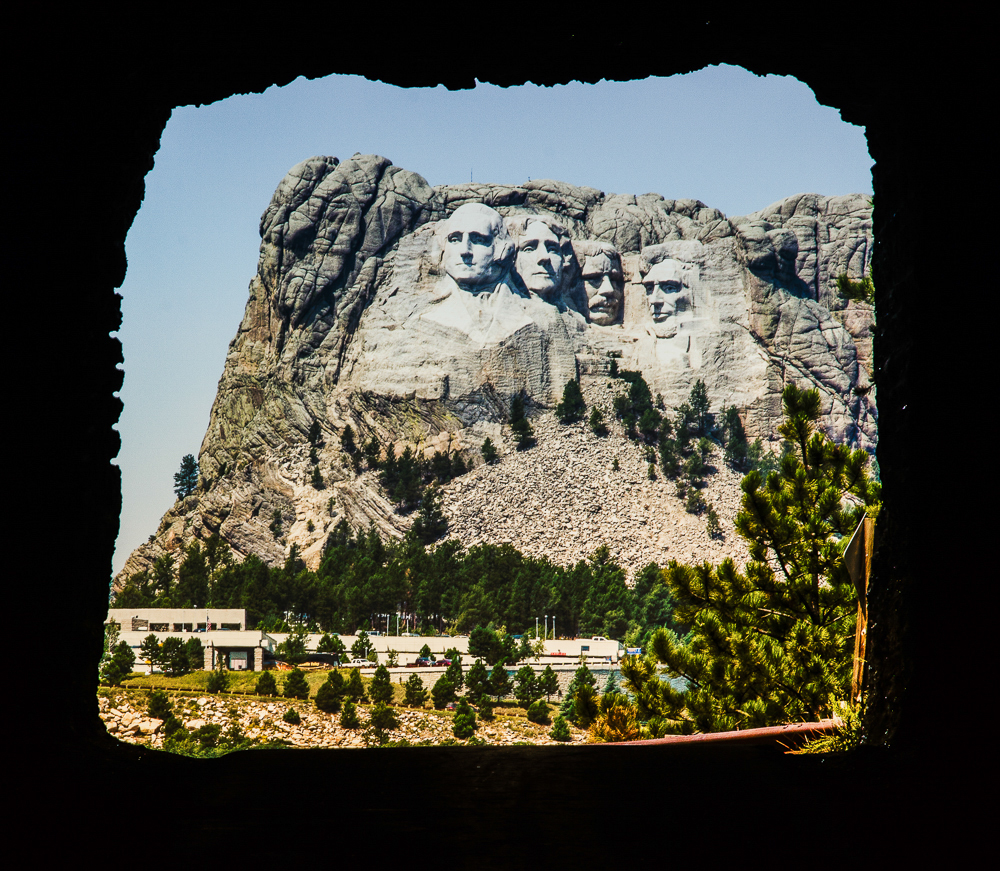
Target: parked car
{"type": "Point", "coordinates": [423, 662]}
{"type": "Point", "coordinates": [444, 662]}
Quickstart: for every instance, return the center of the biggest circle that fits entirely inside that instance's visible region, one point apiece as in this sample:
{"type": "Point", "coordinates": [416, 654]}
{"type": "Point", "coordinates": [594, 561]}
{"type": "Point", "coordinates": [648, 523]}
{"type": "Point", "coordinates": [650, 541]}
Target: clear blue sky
{"type": "Point", "coordinates": [735, 141]}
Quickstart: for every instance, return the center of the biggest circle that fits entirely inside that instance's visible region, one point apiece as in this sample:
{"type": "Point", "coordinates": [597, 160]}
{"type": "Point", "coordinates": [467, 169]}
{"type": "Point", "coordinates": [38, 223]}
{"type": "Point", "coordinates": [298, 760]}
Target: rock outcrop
{"type": "Point", "coordinates": [414, 314]}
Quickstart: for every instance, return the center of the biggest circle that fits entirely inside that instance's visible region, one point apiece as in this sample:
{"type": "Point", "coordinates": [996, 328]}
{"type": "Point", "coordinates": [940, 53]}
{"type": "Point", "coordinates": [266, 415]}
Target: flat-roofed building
{"type": "Point", "coordinates": [221, 631]}
{"type": "Point", "coordinates": [178, 619]}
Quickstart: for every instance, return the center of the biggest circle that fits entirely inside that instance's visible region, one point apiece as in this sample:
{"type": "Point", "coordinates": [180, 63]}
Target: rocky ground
{"type": "Point", "coordinates": [124, 714]}
{"type": "Point", "coordinates": [568, 500]}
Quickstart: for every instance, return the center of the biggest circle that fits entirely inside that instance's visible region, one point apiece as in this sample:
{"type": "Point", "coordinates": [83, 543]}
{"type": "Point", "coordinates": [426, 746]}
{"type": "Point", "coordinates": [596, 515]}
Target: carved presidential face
{"type": "Point", "coordinates": [602, 279]}
{"type": "Point", "coordinates": [665, 291]}
{"type": "Point", "coordinates": [540, 259]}
{"type": "Point", "coordinates": [475, 245]}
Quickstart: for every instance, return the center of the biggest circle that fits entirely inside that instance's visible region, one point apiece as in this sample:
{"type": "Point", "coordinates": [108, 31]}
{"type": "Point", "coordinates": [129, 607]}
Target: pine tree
{"type": "Point", "coordinates": [431, 523]}
{"type": "Point", "coordinates": [349, 716]}
{"type": "Point", "coordinates": [443, 692]}
{"type": "Point", "coordinates": [158, 706]}
{"type": "Point", "coordinates": [355, 689]}
{"type": "Point", "coordinates": [173, 657]}
{"type": "Point", "coordinates": [572, 407]}
{"type": "Point", "coordinates": [347, 440]}
{"type": "Point", "coordinates": [373, 450]}
{"type": "Point", "coordinates": [454, 672]}
{"type": "Point", "coordinates": [266, 685]}
{"type": "Point", "coordinates": [525, 686]}
{"type": "Point", "coordinates": [519, 424]}
{"type": "Point", "coordinates": [500, 682]}
{"type": "Point", "coordinates": [380, 690]}
{"type": "Point", "coordinates": [362, 646]}
{"type": "Point", "coordinates": [186, 479]}
{"type": "Point", "coordinates": [698, 401]}
{"type": "Point", "coordinates": [121, 662]}
{"type": "Point", "coordinates": [314, 433]}
{"type": "Point", "coordinates": [330, 695]}
{"type": "Point", "coordinates": [583, 677]}
{"type": "Point", "coordinates": [585, 705]}
{"type": "Point", "coordinates": [149, 650]}
{"type": "Point", "coordinates": [735, 453]}
{"type": "Point", "coordinates": [490, 455]}
{"type": "Point", "coordinates": [773, 644]}
{"type": "Point", "coordinates": [414, 693]}
{"type": "Point", "coordinates": [333, 645]}
{"type": "Point", "coordinates": [382, 719]}
{"type": "Point", "coordinates": [548, 682]}
{"type": "Point", "coordinates": [560, 730]}
{"type": "Point", "coordinates": [477, 682]}
{"type": "Point", "coordinates": [296, 686]}
{"type": "Point", "coordinates": [464, 724]}
{"type": "Point", "coordinates": [195, 652]}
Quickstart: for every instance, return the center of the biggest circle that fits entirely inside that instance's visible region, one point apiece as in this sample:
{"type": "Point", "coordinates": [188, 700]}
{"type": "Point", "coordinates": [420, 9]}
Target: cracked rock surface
{"type": "Point", "coordinates": [340, 328]}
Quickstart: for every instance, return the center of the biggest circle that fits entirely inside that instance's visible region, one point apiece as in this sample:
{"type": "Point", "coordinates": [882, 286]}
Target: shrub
{"type": "Point", "coordinates": [218, 681]}
{"type": "Point", "coordinates": [695, 502]}
{"type": "Point", "coordinates": [713, 527]}
{"type": "Point", "coordinates": [291, 716]}
{"type": "Point", "coordinates": [616, 720]}
{"type": "Point", "coordinates": [158, 707]}
{"type": "Point", "coordinates": [208, 735]}
{"type": "Point", "coordinates": [173, 728]}
{"type": "Point", "coordinates": [560, 730]}
{"type": "Point", "coordinates": [383, 718]}
{"type": "Point", "coordinates": [266, 685]}
{"type": "Point", "coordinates": [538, 712]}
{"type": "Point", "coordinates": [111, 675]}
{"type": "Point", "coordinates": [597, 424]}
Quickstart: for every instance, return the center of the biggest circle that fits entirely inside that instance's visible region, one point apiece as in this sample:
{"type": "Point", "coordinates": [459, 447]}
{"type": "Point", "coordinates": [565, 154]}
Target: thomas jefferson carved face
{"type": "Point", "coordinates": [476, 247]}
{"type": "Point", "coordinates": [540, 259]}
{"type": "Point", "coordinates": [602, 279]}
{"type": "Point", "coordinates": [665, 291]}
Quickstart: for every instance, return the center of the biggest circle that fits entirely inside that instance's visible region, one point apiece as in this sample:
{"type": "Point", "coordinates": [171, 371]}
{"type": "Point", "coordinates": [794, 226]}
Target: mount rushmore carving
{"type": "Point", "coordinates": [415, 313]}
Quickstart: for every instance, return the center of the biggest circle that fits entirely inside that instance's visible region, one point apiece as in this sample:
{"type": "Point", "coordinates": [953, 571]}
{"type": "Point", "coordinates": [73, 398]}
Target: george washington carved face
{"type": "Point", "coordinates": [476, 247]}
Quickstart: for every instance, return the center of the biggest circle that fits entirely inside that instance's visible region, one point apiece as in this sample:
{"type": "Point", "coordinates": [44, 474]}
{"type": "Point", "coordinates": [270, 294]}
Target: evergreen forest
{"type": "Point", "coordinates": [436, 589]}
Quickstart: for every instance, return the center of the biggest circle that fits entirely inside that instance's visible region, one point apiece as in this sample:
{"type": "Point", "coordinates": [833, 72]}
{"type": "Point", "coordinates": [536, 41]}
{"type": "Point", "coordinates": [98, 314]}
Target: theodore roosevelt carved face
{"type": "Point", "coordinates": [476, 247]}
{"type": "Point", "coordinates": [541, 257]}
{"type": "Point", "coordinates": [602, 279]}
